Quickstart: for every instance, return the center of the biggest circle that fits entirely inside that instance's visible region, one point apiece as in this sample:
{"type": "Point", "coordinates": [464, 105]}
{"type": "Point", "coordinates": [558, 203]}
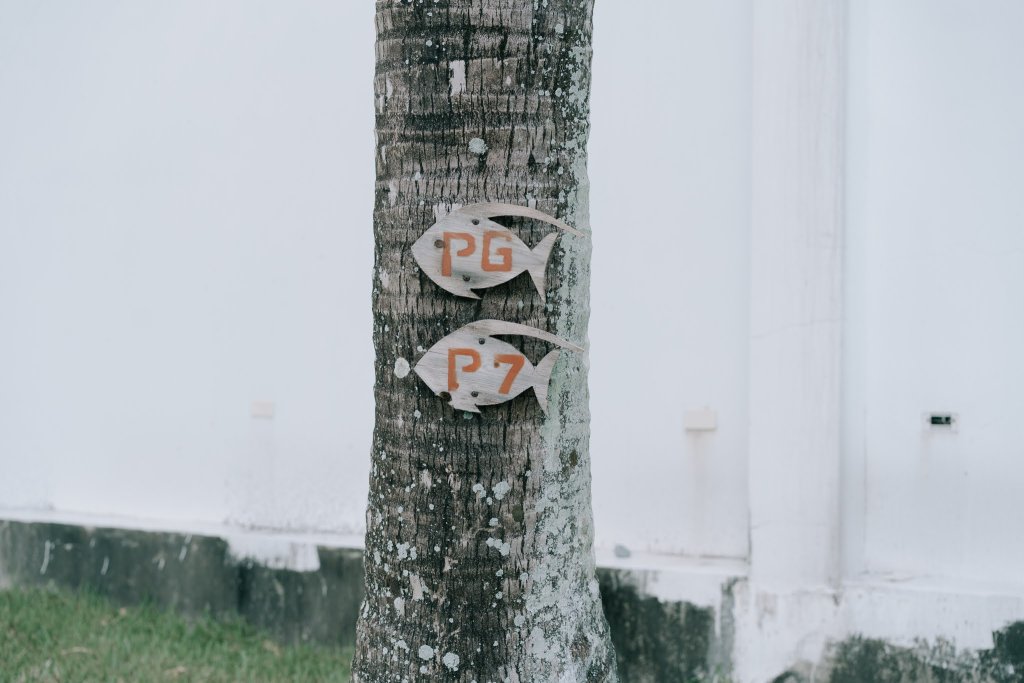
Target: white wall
{"type": "Point", "coordinates": [670, 168]}
{"type": "Point", "coordinates": [185, 195]}
{"type": "Point", "coordinates": [935, 289]}
{"type": "Point", "coordinates": [185, 198]}
{"type": "Point", "coordinates": [185, 207]}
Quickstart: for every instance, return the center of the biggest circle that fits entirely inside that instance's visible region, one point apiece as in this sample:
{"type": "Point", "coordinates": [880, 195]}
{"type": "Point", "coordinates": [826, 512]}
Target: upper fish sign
{"type": "Point", "coordinates": [478, 370]}
{"type": "Point", "coordinates": [466, 250]}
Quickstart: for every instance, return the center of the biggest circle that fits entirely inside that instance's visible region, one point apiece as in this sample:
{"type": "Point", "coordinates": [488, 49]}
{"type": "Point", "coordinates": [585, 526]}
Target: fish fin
{"type": "Point", "coordinates": [537, 271]}
{"type": "Point", "coordinates": [454, 287]}
{"type": "Point", "coordinates": [542, 377]}
{"type": "Point", "coordinates": [463, 404]}
{"type": "Point", "coordinates": [493, 210]}
{"type": "Point", "coordinates": [465, 292]}
{"type": "Point", "coordinates": [489, 328]}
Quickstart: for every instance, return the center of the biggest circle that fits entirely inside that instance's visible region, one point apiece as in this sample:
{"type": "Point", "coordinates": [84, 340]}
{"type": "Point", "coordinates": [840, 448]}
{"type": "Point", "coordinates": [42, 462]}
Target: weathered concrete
{"type": "Point", "coordinates": [315, 598]}
{"type": "Point", "coordinates": [196, 574]}
{"type": "Point", "coordinates": [190, 574]}
{"type": "Point", "coordinates": [657, 641]}
{"type": "Point", "coordinates": [859, 660]}
{"type": "Point", "coordinates": [319, 606]}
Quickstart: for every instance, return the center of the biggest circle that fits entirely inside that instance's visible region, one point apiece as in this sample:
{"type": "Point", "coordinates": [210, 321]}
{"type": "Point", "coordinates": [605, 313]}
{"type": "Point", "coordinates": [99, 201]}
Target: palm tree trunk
{"type": "Point", "coordinates": [479, 559]}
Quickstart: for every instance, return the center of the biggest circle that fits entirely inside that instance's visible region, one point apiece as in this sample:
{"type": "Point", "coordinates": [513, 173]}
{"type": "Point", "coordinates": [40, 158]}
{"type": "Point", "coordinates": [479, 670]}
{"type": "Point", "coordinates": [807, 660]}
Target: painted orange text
{"type": "Point", "coordinates": [505, 265]}
{"type": "Point", "coordinates": [516, 363]}
{"type": "Point", "coordinates": [453, 370]}
{"type": "Point", "coordinates": [446, 257]}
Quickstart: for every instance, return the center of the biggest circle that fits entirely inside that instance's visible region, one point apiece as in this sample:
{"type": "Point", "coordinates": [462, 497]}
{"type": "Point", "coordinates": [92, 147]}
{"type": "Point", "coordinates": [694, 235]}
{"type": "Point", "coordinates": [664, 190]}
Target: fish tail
{"type": "Point", "coordinates": [537, 271]}
{"type": "Point", "coordinates": [542, 377]}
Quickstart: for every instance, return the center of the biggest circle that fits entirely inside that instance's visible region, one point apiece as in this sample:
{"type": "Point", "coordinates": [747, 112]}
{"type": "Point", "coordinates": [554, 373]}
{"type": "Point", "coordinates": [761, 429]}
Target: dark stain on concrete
{"type": "Point", "coordinates": [1006, 658]}
{"type": "Point", "coordinates": [316, 607]}
{"type": "Point", "coordinates": [866, 660]}
{"type": "Point", "coordinates": [789, 677]}
{"type": "Point", "coordinates": [655, 642]}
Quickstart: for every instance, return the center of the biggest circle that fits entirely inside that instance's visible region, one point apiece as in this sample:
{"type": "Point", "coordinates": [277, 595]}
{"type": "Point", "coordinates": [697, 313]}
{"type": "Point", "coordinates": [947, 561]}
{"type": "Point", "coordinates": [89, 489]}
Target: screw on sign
{"type": "Point", "coordinates": [466, 250]}
{"type": "Point", "coordinates": [478, 370]}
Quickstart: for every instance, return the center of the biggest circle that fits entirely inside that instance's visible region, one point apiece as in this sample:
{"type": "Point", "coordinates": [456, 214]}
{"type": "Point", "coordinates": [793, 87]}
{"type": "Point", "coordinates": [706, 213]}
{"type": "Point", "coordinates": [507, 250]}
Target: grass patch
{"type": "Point", "coordinates": [61, 636]}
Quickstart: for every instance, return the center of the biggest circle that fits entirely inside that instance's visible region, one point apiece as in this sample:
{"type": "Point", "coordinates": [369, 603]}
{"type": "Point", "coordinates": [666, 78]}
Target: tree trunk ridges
{"type": "Point", "coordinates": [479, 562]}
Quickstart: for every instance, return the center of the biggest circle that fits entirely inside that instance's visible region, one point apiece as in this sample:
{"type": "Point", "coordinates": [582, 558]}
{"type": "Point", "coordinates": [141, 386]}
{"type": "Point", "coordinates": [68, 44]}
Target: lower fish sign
{"type": "Point", "coordinates": [476, 369]}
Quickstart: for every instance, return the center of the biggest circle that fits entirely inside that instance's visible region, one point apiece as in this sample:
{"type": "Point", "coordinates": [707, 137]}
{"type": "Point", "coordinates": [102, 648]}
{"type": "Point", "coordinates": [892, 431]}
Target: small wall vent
{"type": "Point", "coordinates": [941, 421]}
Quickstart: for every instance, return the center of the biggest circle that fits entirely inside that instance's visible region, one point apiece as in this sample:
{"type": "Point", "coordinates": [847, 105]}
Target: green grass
{"type": "Point", "coordinates": [59, 636]}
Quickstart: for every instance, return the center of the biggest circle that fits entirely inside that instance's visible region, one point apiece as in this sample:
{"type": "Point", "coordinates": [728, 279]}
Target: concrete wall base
{"type": "Point", "coordinates": [668, 624]}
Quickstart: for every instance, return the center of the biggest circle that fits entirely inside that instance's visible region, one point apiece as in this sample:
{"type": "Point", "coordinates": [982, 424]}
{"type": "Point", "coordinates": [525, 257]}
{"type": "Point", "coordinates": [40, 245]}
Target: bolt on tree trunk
{"type": "Point", "coordinates": [479, 558]}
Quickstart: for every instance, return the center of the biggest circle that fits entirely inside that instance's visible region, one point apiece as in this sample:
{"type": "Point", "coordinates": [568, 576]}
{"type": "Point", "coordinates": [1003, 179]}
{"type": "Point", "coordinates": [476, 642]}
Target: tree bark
{"type": "Point", "coordinates": [479, 558]}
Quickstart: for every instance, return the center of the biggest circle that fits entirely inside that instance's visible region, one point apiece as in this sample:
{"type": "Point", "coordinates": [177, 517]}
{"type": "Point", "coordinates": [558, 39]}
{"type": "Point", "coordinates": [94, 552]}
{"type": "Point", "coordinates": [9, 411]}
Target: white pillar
{"type": "Point", "coordinates": [797, 215]}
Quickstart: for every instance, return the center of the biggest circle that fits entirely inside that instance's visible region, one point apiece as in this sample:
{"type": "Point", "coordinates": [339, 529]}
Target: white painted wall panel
{"type": "Point", "coordinates": [185, 192]}
{"type": "Point", "coordinates": [936, 289]}
{"type": "Point", "coordinates": [185, 197]}
{"type": "Point", "coordinates": [185, 200]}
{"type": "Point", "coordinates": [670, 167]}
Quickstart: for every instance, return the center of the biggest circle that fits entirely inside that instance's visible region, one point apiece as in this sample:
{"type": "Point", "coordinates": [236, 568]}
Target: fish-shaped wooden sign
{"type": "Point", "coordinates": [476, 369]}
{"type": "Point", "coordinates": [466, 250]}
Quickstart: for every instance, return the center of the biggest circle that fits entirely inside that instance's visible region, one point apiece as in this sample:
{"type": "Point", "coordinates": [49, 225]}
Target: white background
{"type": "Point", "coordinates": [185, 200]}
